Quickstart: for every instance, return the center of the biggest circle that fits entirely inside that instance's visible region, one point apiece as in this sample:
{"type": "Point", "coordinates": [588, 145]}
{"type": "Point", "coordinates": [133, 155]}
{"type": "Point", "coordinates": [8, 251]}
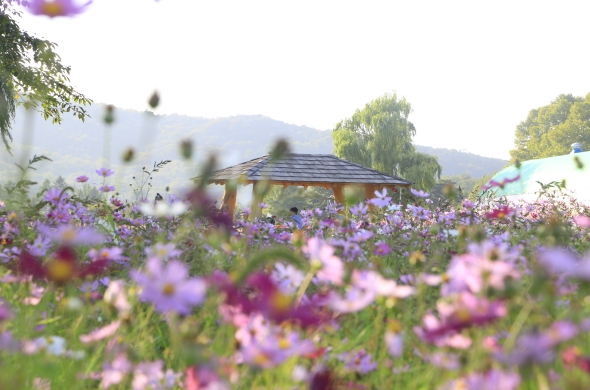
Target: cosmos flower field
{"type": "Point", "coordinates": [465, 295]}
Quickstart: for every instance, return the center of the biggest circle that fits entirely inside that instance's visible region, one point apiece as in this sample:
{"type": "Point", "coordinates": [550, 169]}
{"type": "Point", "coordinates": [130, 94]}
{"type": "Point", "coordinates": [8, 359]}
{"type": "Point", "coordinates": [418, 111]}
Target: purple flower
{"type": "Point", "coordinates": [104, 172]}
{"type": "Point", "coordinates": [40, 247]}
{"type": "Point", "coordinates": [382, 248]}
{"type": "Point", "coordinates": [82, 179]}
{"type": "Point", "coordinates": [69, 235]}
{"type": "Point", "coordinates": [56, 7]}
{"type": "Point", "coordinates": [55, 196]}
{"type": "Point", "coordinates": [491, 380]}
{"type": "Point", "coordinates": [360, 362]}
{"type": "Point", "coordinates": [563, 262]}
{"type": "Point", "coordinates": [419, 193]}
{"type": "Point", "coordinates": [381, 199]}
{"type": "Point", "coordinates": [169, 287]}
{"type": "Point", "coordinates": [107, 188]}
{"type": "Point", "coordinates": [359, 209]}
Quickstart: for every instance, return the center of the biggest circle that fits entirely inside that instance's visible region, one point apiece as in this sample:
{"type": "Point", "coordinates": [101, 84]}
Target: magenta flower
{"type": "Point", "coordinates": [169, 288]}
{"type": "Point", "coordinates": [104, 172]}
{"type": "Point", "coordinates": [82, 179]}
{"type": "Point", "coordinates": [56, 7]}
{"type": "Point", "coordinates": [107, 188]}
{"type": "Point", "coordinates": [382, 248]}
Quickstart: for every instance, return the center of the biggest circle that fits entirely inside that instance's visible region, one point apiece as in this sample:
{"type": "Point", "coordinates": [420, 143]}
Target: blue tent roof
{"type": "Point", "coordinates": [545, 170]}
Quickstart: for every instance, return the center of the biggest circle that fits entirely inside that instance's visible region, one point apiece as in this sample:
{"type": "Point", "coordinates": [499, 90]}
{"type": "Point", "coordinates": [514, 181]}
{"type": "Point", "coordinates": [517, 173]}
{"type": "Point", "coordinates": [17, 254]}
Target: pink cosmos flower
{"type": "Point", "coordinates": [322, 255]}
{"type": "Point", "coordinates": [82, 179]}
{"type": "Point", "coordinates": [474, 273]}
{"type": "Point", "coordinates": [582, 221]}
{"type": "Point", "coordinates": [115, 295]}
{"type": "Point", "coordinates": [202, 378]}
{"type": "Point", "coordinates": [169, 287]}
{"type": "Point", "coordinates": [464, 311]}
{"type": "Point", "coordinates": [54, 8]}
{"type": "Point", "coordinates": [106, 253]}
{"type": "Point", "coordinates": [106, 188]}
{"type": "Point", "coordinates": [100, 333]}
{"type": "Point", "coordinates": [113, 373]}
{"type": "Point", "coordinates": [104, 172]}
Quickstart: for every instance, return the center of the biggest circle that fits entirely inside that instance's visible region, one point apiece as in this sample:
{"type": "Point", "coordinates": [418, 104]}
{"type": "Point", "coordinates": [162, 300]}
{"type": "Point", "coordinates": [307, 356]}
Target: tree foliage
{"type": "Point", "coordinates": [550, 130]}
{"type": "Point", "coordinates": [380, 136]}
{"type": "Point", "coordinates": [31, 73]}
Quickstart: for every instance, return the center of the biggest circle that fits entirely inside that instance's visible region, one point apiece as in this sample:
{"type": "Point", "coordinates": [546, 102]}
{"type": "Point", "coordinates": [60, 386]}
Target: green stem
{"type": "Point", "coordinates": [517, 325]}
{"type": "Point", "coordinates": [304, 285]}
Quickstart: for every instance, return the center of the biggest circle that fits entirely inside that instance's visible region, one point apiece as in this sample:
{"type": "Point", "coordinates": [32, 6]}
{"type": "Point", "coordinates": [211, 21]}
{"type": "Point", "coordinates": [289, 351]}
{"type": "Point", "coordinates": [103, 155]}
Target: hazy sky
{"type": "Point", "coordinates": [471, 70]}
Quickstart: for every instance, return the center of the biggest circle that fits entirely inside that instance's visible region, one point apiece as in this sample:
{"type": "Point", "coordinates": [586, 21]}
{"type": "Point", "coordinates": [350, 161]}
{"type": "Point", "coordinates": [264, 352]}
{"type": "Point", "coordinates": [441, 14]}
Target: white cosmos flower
{"type": "Point", "coordinates": [163, 209]}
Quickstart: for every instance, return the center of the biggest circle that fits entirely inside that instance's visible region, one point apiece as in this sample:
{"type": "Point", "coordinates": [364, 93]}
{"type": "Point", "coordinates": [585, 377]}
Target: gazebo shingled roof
{"type": "Point", "coordinates": [321, 170]}
{"type": "Point", "coordinates": [307, 168]}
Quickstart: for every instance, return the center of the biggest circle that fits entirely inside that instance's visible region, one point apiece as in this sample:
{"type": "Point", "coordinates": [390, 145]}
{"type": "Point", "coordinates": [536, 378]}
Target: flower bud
{"type": "Point", "coordinates": [154, 100]}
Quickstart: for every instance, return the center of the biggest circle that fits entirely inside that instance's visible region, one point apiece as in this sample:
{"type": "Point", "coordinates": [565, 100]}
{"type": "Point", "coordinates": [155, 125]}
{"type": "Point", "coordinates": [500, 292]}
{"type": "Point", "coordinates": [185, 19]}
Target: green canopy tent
{"type": "Point", "coordinates": [576, 175]}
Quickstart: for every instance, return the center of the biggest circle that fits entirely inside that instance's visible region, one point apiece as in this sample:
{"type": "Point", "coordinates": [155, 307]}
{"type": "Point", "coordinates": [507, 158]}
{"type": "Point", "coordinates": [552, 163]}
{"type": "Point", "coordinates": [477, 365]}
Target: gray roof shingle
{"type": "Point", "coordinates": [306, 168]}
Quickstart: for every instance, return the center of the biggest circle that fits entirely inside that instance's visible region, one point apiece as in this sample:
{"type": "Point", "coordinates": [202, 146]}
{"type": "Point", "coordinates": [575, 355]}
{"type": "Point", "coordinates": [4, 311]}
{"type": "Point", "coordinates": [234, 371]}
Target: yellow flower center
{"type": "Point", "coordinates": [162, 252]}
{"type": "Point", "coordinates": [168, 289]}
{"type": "Point", "coordinates": [104, 254]}
{"type": "Point", "coordinates": [260, 359]}
{"type": "Point", "coordinates": [501, 215]}
{"type": "Point", "coordinates": [284, 343]}
{"type": "Point", "coordinates": [60, 270]}
{"type": "Point", "coordinates": [394, 326]}
{"type": "Point", "coordinates": [52, 9]}
{"type": "Point", "coordinates": [280, 302]}
{"type": "Point", "coordinates": [69, 235]}
{"type": "Point", "coordinates": [463, 315]}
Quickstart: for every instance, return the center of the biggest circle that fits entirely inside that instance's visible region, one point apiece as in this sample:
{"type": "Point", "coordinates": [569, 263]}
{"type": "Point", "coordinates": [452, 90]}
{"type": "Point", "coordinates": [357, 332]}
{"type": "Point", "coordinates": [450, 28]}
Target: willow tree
{"type": "Point", "coordinates": [380, 136]}
{"type": "Point", "coordinates": [31, 73]}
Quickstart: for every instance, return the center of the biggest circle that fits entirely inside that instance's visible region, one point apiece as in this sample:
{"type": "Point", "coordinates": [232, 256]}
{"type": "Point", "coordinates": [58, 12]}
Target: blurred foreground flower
{"type": "Point", "coordinates": [169, 288]}
{"type": "Point", "coordinates": [53, 8]}
{"type": "Point", "coordinates": [163, 209]}
{"type": "Point", "coordinates": [61, 267]}
{"type": "Point", "coordinates": [104, 172]}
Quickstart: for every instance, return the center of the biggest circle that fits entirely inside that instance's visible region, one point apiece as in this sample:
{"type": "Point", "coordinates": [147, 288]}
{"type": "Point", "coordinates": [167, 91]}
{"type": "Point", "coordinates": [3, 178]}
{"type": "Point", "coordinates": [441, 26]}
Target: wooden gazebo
{"type": "Point", "coordinates": [305, 170]}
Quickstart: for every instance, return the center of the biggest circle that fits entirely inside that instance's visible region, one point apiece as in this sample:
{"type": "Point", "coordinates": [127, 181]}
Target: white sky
{"type": "Point", "coordinates": [471, 70]}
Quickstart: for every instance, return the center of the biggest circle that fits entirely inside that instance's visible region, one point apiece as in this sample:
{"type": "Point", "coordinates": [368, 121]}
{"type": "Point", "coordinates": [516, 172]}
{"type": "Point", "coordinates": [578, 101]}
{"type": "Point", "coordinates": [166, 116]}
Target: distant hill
{"type": "Point", "coordinates": [457, 163]}
{"type": "Point", "coordinates": [76, 147]}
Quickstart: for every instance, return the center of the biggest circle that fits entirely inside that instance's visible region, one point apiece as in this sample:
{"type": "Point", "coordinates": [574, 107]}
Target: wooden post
{"type": "Point", "coordinates": [229, 200]}
{"type": "Point", "coordinates": [256, 211]}
{"type": "Point", "coordinates": [339, 195]}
